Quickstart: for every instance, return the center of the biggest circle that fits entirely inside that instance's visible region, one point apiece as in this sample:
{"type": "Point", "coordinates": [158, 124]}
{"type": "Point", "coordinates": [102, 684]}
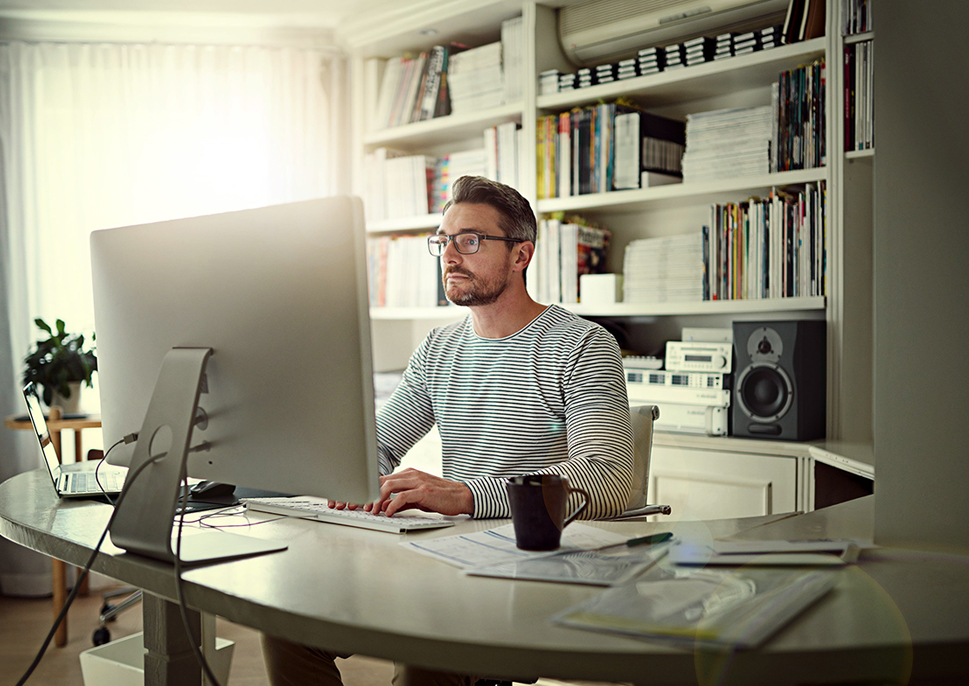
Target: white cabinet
{"type": "Point", "coordinates": [712, 484]}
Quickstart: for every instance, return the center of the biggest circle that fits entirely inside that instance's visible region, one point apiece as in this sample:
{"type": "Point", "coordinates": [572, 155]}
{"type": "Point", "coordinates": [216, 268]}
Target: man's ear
{"type": "Point", "coordinates": [523, 255]}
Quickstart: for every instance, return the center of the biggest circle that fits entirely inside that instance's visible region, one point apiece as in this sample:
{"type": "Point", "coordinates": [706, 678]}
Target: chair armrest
{"type": "Point", "coordinates": [644, 511]}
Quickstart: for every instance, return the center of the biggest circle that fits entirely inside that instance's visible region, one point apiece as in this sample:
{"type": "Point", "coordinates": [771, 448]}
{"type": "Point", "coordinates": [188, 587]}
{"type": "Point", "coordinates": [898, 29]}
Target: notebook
{"type": "Point", "coordinates": [72, 480]}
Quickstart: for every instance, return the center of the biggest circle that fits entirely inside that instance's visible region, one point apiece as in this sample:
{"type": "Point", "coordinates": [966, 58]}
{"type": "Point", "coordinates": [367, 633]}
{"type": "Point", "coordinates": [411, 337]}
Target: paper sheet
{"type": "Point", "coordinates": [497, 545]}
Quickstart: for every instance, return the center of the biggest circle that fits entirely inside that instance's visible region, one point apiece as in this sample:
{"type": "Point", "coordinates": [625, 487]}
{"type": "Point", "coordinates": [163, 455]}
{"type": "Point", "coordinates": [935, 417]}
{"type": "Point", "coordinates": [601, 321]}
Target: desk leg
{"type": "Point", "coordinates": [59, 574]}
{"type": "Point", "coordinates": [85, 588]}
{"type": "Point", "coordinates": [169, 660]}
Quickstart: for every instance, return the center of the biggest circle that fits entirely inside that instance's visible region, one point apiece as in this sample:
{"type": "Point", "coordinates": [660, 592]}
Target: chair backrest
{"type": "Point", "coordinates": [642, 417]}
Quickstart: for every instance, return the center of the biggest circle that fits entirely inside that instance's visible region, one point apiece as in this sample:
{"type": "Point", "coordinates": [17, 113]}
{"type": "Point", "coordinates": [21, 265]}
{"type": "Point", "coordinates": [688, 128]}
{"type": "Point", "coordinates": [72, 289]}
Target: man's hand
{"type": "Point", "coordinates": [412, 488]}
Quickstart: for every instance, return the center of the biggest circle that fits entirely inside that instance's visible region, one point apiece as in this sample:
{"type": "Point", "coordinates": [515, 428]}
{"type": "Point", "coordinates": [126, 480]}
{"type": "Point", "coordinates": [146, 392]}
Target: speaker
{"type": "Point", "coordinates": [779, 379]}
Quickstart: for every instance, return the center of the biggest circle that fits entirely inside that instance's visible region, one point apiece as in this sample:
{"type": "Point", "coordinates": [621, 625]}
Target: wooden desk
{"type": "Point", "coordinates": [359, 591]}
{"type": "Point", "coordinates": [55, 424]}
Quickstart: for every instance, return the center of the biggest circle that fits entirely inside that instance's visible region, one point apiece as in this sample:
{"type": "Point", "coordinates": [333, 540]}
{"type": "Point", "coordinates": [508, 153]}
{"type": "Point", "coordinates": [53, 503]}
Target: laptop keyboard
{"type": "Point", "coordinates": [87, 482]}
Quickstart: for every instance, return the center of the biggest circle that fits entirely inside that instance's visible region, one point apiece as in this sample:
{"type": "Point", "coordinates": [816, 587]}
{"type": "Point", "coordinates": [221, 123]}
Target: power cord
{"type": "Point", "coordinates": [180, 592]}
{"type": "Point", "coordinates": [87, 567]}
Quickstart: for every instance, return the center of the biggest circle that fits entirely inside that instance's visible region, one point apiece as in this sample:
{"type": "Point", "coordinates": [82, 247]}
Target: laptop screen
{"type": "Point", "coordinates": [36, 413]}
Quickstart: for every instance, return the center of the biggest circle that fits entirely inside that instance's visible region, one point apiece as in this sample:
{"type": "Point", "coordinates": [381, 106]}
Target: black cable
{"type": "Point", "coordinates": [179, 592]}
{"type": "Point", "coordinates": [87, 567]}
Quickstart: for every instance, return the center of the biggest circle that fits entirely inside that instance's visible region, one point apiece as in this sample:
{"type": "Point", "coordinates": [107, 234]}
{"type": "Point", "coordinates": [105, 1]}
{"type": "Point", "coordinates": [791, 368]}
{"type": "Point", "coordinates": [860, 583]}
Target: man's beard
{"type": "Point", "coordinates": [477, 293]}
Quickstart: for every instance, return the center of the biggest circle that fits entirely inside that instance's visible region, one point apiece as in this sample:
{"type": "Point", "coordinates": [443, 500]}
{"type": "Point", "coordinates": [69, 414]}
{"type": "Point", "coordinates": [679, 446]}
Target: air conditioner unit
{"type": "Point", "coordinates": [606, 30]}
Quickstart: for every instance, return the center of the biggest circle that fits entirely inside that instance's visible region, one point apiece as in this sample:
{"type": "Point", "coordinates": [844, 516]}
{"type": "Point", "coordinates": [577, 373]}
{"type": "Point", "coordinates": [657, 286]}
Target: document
{"type": "Point", "coordinates": [740, 607]}
{"type": "Point", "coordinates": [496, 546]}
{"type": "Point", "coordinates": [766, 553]}
{"type": "Point", "coordinates": [587, 567]}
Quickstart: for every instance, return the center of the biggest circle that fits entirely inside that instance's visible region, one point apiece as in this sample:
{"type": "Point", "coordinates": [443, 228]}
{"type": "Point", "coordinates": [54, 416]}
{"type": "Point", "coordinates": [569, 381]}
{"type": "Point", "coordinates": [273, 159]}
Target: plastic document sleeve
{"type": "Point", "coordinates": [739, 608]}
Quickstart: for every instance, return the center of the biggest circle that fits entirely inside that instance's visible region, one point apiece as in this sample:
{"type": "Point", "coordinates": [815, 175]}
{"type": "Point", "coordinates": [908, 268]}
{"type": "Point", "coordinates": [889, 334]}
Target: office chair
{"type": "Point", "coordinates": [642, 417]}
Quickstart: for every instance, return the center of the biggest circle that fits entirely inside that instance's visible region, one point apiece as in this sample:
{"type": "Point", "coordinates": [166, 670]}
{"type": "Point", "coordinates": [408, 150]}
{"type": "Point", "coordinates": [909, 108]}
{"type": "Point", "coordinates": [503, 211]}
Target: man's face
{"type": "Point", "coordinates": [481, 278]}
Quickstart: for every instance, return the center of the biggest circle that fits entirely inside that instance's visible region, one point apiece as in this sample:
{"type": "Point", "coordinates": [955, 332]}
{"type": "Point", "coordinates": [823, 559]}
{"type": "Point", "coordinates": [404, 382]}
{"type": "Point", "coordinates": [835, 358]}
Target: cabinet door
{"type": "Point", "coordinates": [706, 484]}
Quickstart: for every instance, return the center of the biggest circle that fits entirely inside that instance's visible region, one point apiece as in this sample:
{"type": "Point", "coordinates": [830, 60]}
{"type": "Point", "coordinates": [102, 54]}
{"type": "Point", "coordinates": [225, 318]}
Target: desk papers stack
{"type": "Point", "coordinates": [494, 553]}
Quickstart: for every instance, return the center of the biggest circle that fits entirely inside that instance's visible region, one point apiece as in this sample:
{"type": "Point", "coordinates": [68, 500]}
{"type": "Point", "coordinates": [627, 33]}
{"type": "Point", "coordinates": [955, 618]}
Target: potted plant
{"type": "Point", "coordinates": [60, 364]}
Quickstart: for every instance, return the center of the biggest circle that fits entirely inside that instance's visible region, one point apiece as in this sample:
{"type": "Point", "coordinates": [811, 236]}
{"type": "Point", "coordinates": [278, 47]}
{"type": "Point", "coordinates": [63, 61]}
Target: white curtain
{"type": "Point", "coordinates": [100, 135]}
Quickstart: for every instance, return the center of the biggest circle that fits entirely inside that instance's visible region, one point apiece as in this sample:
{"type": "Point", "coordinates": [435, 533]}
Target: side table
{"type": "Point", "coordinates": [55, 424]}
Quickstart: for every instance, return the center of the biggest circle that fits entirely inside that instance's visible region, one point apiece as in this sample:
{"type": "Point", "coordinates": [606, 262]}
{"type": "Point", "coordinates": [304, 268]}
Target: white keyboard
{"type": "Point", "coordinates": [313, 508]}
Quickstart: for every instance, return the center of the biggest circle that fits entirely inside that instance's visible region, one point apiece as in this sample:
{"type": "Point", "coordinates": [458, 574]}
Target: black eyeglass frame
{"type": "Point", "coordinates": [433, 242]}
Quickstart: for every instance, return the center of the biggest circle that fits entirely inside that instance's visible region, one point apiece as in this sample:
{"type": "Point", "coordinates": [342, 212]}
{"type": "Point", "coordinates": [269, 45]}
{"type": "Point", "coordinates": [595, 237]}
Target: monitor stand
{"type": "Point", "coordinates": [143, 523]}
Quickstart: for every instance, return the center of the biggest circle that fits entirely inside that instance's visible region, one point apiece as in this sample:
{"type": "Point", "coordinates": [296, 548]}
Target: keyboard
{"type": "Point", "coordinates": [317, 509]}
{"type": "Point", "coordinates": [86, 482]}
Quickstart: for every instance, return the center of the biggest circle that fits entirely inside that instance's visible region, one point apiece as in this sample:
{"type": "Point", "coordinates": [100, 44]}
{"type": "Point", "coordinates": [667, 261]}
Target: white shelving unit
{"type": "Point", "coordinates": [741, 81]}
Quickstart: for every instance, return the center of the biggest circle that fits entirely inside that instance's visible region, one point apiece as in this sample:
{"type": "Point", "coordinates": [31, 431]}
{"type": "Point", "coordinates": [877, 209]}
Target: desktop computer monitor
{"type": "Point", "coordinates": [279, 295]}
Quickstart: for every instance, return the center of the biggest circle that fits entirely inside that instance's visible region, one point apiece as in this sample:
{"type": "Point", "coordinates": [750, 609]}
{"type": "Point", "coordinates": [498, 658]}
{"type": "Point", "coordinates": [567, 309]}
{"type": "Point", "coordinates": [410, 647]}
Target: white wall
{"type": "Point", "coordinates": [921, 273]}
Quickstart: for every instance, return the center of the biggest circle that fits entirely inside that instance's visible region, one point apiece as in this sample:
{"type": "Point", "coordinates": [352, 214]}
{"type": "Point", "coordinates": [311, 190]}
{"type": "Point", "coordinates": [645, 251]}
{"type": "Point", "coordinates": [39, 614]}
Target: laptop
{"type": "Point", "coordinates": [76, 480]}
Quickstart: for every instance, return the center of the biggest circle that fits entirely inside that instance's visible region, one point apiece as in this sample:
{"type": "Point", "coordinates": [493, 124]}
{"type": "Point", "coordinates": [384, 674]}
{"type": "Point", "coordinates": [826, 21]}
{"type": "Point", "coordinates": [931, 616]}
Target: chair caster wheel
{"type": "Point", "coordinates": [101, 636]}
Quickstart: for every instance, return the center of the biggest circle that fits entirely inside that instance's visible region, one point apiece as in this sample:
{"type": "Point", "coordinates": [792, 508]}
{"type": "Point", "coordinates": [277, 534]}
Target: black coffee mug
{"type": "Point", "coordinates": [538, 505]}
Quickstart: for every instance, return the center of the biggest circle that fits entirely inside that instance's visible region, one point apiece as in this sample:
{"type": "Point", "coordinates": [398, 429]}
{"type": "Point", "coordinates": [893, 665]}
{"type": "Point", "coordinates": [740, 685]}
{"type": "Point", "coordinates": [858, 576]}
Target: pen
{"type": "Point", "coordinates": [651, 539]}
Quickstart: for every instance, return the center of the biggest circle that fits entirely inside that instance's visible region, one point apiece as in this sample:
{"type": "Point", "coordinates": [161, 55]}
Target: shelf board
{"type": "Point", "coordinates": [706, 307]}
{"type": "Point", "coordinates": [417, 223]}
{"type": "Point", "coordinates": [715, 307]}
{"type": "Point", "coordinates": [859, 154]}
{"type": "Point", "coordinates": [680, 193]}
{"type": "Point", "coordinates": [859, 37]}
{"type": "Point", "coordinates": [450, 129]}
{"type": "Point", "coordinates": [709, 79]}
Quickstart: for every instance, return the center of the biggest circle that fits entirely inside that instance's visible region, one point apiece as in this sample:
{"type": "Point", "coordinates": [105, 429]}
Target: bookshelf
{"type": "Point", "coordinates": [740, 81]}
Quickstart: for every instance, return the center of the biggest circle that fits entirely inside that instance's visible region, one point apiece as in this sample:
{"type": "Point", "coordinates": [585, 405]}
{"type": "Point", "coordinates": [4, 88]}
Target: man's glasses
{"type": "Point", "coordinates": [464, 243]}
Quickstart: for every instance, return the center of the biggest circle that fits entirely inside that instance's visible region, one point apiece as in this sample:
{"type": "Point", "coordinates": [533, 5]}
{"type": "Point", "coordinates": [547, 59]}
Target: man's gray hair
{"type": "Point", "coordinates": [516, 217]}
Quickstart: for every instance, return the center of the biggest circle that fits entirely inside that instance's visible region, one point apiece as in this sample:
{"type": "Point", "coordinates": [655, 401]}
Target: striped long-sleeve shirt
{"type": "Point", "coordinates": [549, 399]}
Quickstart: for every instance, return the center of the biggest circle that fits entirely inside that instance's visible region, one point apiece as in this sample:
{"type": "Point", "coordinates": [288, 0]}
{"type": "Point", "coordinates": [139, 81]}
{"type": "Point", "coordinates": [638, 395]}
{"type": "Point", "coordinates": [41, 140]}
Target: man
{"type": "Point", "coordinates": [515, 388]}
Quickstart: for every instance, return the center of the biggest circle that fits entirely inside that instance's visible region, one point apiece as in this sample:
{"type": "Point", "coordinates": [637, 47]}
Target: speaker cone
{"type": "Point", "coordinates": [764, 392]}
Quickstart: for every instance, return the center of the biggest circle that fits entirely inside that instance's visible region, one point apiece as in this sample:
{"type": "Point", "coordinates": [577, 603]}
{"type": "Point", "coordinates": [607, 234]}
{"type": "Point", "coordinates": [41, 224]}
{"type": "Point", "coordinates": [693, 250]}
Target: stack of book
{"type": "Point", "coordinates": [667, 269]}
{"type": "Point", "coordinates": [605, 73]}
{"type": "Point", "coordinates": [627, 69]}
{"type": "Point", "coordinates": [513, 58]}
{"type": "Point", "coordinates": [579, 152]}
{"type": "Point", "coordinates": [649, 150]}
{"type": "Point", "coordinates": [502, 144]}
{"type": "Point", "coordinates": [398, 184]}
{"type": "Point", "coordinates": [568, 82]}
{"type": "Point", "coordinates": [698, 50]}
{"type": "Point", "coordinates": [773, 248]}
{"type": "Point", "coordinates": [548, 82]}
{"type": "Point", "coordinates": [673, 57]}
{"type": "Point", "coordinates": [805, 20]}
{"type": "Point", "coordinates": [650, 60]}
{"type": "Point", "coordinates": [769, 37]}
{"type": "Point", "coordinates": [475, 79]}
{"type": "Point", "coordinates": [724, 46]}
{"type": "Point", "coordinates": [583, 78]}
{"type": "Point", "coordinates": [798, 103]}
{"type": "Point", "coordinates": [564, 251]}
{"type": "Point", "coordinates": [727, 143]}
{"type": "Point", "coordinates": [450, 168]}
{"type": "Point", "coordinates": [414, 88]}
{"type": "Point", "coordinates": [856, 17]}
{"type": "Point", "coordinates": [401, 273]}
{"type": "Point", "coordinates": [859, 103]}
{"type": "Point", "coordinates": [744, 43]}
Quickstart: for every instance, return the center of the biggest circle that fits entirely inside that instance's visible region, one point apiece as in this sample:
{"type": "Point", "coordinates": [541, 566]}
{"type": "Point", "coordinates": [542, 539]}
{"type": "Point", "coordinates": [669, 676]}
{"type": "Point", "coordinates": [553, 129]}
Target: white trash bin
{"type": "Point", "coordinates": [122, 662]}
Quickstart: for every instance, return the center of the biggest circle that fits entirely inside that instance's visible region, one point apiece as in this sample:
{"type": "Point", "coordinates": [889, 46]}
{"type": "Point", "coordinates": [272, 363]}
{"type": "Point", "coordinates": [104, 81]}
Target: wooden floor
{"type": "Point", "coordinates": [25, 622]}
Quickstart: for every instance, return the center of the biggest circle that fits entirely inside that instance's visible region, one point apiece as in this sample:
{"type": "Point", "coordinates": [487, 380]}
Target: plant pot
{"type": "Point", "coordinates": [68, 405]}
